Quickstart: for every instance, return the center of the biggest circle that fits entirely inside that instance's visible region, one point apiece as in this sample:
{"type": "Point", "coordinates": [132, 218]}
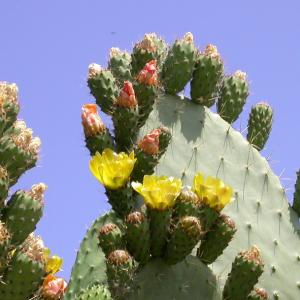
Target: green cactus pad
{"type": "Point", "coordinates": [233, 94]}
{"type": "Point", "coordinates": [146, 96]}
{"type": "Point", "coordinates": [207, 75]}
{"type": "Point", "coordinates": [179, 65]}
{"type": "Point", "coordinates": [216, 240]}
{"type": "Point", "coordinates": [4, 186]}
{"type": "Point", "coordinates": [202, 141]}
{"type": "Point", "coordinates": [246, 269]}
{"type": "Point", "coordinates": [95, 292]}
{"type": "Point", "coordinates": [125, 123]}
{"type": "Point", "coordinates": [99, 142]}
{"type": "Point", "coordinates": [120, 65]}
{"type": "Point", "coordinates": [22, 278]}
{"type": "Point", "coordinates": [259, 125]}
{"type": "Point", "coordinates": [104, 88]}
{"type": "Point", "coordinates": [183, 238]}
{"type": "Point", "coordinates": [149, 48]}
{"type": "Point", "coordinates": [90, 266]}
{"type": "Point", "coordinates": [110, 238]}
{"type": "Point", "coordinates": [138, 236]}
{"type": "Point", "coordinates": [8, 116]}
{"type": "Point", "coordinates": [21, 215]}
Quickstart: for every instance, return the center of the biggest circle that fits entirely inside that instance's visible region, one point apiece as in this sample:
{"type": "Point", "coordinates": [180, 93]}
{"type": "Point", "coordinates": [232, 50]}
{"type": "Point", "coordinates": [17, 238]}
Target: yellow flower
{"type": "Point", "coordinates": [53, 264]}
{"type": "Point", "coordinates": [112, 169]}
{"type": "Point", "coordinates": [159, 192]}
{"type": "Point", "coordinates": [212, 191]}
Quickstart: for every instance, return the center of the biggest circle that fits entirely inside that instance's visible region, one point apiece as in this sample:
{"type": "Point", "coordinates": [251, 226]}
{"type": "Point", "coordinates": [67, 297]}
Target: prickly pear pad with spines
{"type": "Point", "coordinates": [22, 278]}
{"type": "Point", "coordinates": [259, 125]}
{"type": "Point", "coordinates": [21, 215]}
{"type": "Point", "coordinates": [202, 141]}
{"type": "Point", "coordinates": [95, 292]}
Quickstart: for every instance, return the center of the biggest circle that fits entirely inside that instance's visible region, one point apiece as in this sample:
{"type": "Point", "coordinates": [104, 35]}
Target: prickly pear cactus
{"type": "Point", "coordinates": [213, 222]}
{"type": "Point", "coordinates": [26, 267]}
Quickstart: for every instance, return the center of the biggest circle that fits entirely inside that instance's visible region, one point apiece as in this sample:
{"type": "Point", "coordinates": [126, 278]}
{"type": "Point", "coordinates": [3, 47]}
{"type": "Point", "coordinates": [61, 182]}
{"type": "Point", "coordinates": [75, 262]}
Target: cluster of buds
{"type": "Point", "coordinates": [148, 75]}
{"type": "Point", "coordinates": [148, 42]}
{"type": "Point", "coordinates": [94, 70]}
{"type": "Point", "coordinates": [188, 37]}
{"type": "Point", "coordinates": [37, 192]}
{"type": "Point", "coordinates": [212, 51]}
{"type": "Point", "coordinates": [8, 93]}
{"type": "Point", "coordinates": [240, 75]}
{"type": "Point", "coordinates": [34, 248]}
{"type": "Point", "coordinates": [127, 96]}
{"type": "Point", "coordinates": [24, 138]}
{"type": "Point", "coordinates": [150, 142]}
{"type": "Point", "coordinates": [252, 255]}
{"type": "Point", "coordinates": [91, 121]}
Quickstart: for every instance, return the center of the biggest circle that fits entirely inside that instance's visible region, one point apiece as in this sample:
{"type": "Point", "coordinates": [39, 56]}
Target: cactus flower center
{"type": "Point", "coordinates": [212, 191]}
{"type": "Point", "coordinates": [159, 192]}
{"type": "Point", "coordinates": [111, 169]}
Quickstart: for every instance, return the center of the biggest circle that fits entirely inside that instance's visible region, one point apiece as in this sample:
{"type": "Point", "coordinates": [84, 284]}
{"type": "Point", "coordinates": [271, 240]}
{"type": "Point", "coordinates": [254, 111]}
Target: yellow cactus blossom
{"type": "Point", "coordinates": [159, 192]}
{"type": "Point", "coordinates": [53, 264]}
{"type": "Point", "coordinates": [112, 169]}
{"type": "Point", "coordinates": [212, 191]}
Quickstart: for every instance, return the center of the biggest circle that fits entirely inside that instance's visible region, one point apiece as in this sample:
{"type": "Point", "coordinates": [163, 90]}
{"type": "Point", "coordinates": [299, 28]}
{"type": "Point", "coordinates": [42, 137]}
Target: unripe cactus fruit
{"type": "Point", "coordinates": [246, 269]}
{"type": "Point", "coordinates": [233, 94]}
{"type": "Point", "coordinates": [103, 87]}
{"type": "Point", "coordinates": [179, 65]}
{"type": "Point", "coordinates": [23, 211]}
{"type": "Point", "coordinates": [97, 136]}
{"type": "Point", "coordinates": [120, 65]}
{"type": "Point", "coordinates": [258, 294]}
{"type": "Point", "coordinates": [9, 106]}
{"type": "Point", "coordinates": [207, 77]}
{"type": "Point", "coordinates": [110, 238]}
{"type": "Point", "coordinates": [125, 118]}
{"type": "Point", "coordinates": [120, 269]}
{"type": "Point", "coordinates": [183, 238]}
{"type": "Point", "coordinates": [216, 239]}
{"type": "Point", "coordinates": [138, 236]}
{"type": "Point", "coordinates": [259, 125]}
{"type": "Point", "coordinates": [151, 47]}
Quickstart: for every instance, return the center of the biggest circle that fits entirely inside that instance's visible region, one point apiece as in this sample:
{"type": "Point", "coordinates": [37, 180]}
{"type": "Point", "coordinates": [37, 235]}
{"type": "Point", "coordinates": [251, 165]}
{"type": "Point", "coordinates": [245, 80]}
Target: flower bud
{"type": "Point", "coordinates": [91, 121]}
{"type": "Point", "coordinates": [127, 96]}
{"type": "Point", "coordinates": [148, 75]}
{"type": "Point", "coordinates": [53, 287]}
{"type": "Point", "coordinates": [150, 142]}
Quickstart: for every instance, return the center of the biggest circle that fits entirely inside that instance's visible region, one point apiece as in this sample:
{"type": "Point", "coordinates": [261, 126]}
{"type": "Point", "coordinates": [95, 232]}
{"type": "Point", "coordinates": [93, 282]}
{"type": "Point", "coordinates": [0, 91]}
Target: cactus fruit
{"type": "Point", "coordinates": [259, 125]}
{"type": "Point", "coordinates": [151, 47]}
{"type": "Point", "coordinates": [231, 169]}
{"type": "Point", "coordinates": [120, 65]}
{"type": "Point", "coordinates": [179, 65]}
{"type": "Point", "coordinates": [103, 87]}
{"type": "Point", "coordinates": [97, 137]}
{"type": "Point", "coordinates": [233, 94]}
{"type": "Point", "coordinates": [24, 264]}
{"type": "Point", "coordinates": [216, 239]}
{"type": "Point", "coordinates": [207, 77]}
{"type": "Point", "coordinates": [246, 269]}
{"type": "Point", "coordinates": [183, 239]}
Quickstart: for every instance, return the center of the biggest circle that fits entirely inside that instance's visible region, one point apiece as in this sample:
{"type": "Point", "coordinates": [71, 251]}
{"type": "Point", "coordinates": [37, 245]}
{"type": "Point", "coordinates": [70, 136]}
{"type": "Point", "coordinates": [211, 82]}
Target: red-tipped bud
{"type": "Point", "coordinates": [54, 287]}
{"type": "Point", "coordinates": [127, 96]}
{"type": "Point", "coordinates": [148, 75]}
{"type": "Point", "coordinates": [91, 121]}
{"type": "Point", "coordinates": [150, 142]}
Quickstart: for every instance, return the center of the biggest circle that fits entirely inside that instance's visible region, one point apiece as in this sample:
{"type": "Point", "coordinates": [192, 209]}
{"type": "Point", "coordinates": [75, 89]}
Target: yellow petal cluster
{"type": "Point", "coordinates": [212, 191]}
{"type": "Point", "coordinates": [159, 192]}
{"type": "Point", "coordinates": [112, 169]}
{"type": "Point", "coordinates": [52, 263]}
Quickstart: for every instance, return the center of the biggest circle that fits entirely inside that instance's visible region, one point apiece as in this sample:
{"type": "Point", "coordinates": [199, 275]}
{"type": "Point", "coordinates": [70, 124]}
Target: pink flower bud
{"type": "Point", "coordinates": [127, 96]}
{"type": "Point", "coordinates": [150, 142]}
{"type": "Point", "coordinates": [148, 75]}
{"type": "Point", "coordinates": [91, 121]}
{"type": "Point", "coordinates": [54, 287]}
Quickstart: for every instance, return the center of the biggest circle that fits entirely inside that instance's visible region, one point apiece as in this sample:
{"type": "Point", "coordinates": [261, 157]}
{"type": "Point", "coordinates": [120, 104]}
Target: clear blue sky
{"type": "Point", "coordinates": [46, 47]}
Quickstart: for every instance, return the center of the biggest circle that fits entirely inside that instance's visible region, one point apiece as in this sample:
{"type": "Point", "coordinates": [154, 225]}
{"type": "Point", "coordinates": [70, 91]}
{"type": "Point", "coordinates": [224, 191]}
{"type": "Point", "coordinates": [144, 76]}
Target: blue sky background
{"type": "Point", "coordinates": [46, 47]}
